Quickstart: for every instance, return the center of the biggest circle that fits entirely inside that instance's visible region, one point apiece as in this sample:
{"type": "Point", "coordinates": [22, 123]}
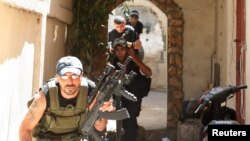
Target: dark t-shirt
{"type": "Point", "coordinates": [139, 86]}
{"type": "Point", "coordinates": [129, 34]}
{"type": "Point", "coordinates": [138, 27]}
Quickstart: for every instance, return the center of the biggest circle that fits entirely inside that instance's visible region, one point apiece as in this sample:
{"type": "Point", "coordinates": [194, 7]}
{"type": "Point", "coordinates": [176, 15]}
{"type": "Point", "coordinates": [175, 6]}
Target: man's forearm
{"type": "Point", "coordinates": [25, 136]}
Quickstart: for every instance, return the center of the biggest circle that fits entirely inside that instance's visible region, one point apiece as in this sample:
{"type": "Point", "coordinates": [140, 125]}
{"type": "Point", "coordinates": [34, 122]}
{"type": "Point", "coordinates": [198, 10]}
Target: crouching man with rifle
{"type": "Point", "coordinates": [60, 111]}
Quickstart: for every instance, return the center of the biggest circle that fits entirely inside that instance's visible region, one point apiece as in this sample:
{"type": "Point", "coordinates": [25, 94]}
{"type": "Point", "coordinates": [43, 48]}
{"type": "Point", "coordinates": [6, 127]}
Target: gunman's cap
{"type": "Point", "coordinates": [120, 41]}
{"type": "Point", "coordinates": [134, 13]}
{"type": "Point", "coordinates": [69, 64]}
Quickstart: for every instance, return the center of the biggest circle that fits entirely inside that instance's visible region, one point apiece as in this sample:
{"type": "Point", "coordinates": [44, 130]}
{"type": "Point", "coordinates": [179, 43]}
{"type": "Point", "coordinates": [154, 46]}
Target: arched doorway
{"type": "Point", "coordinates": [174, 57]}
{"type": "Point", "coordinates": [154, 43]}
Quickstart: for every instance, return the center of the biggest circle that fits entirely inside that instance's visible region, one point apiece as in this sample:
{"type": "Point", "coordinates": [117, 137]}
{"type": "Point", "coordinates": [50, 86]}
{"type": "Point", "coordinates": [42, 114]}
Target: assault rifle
{"type": "Point", "coordinates": [107, 71]}
{"type": "Point", "coordinates": [112, 85]}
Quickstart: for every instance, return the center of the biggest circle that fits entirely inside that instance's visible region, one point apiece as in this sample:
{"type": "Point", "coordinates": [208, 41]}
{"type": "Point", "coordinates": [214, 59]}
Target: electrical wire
{"type": "Point", "coordinates": [233, 45]}
{"type": "Point", "coordinates": [242, 72]}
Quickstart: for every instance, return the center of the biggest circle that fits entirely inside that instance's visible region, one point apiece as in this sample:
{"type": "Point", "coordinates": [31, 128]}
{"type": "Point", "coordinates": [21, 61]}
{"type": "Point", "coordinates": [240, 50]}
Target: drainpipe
{"type": "Point", "coordinates": [240, 58]}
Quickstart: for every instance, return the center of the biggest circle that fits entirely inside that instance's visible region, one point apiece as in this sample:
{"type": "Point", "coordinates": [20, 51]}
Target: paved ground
{"type": "Point", "coordinates": [154, 111]}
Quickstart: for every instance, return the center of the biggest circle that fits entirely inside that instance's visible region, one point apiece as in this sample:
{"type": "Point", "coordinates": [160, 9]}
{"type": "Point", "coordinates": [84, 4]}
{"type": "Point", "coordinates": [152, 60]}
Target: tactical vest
{"type": "Point", "coordinates": [61, 120]}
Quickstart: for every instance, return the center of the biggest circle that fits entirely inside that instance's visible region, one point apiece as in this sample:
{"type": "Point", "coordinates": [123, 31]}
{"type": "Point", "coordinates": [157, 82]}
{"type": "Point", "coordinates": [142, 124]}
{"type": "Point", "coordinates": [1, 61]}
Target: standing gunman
{"type": "Point", "coordinates": [127, 32]}
{"type": "Point", "coordinates": [138, 26]}
{"type": "Point", "coordinates": [139, 86]}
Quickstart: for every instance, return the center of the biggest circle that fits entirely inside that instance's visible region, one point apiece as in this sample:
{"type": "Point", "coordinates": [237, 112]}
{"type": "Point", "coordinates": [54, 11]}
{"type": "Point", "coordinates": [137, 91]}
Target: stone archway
{"type": "Point", "coordinates": [175, 61]}
{"type": "Point", "coordinates": [175, 58]}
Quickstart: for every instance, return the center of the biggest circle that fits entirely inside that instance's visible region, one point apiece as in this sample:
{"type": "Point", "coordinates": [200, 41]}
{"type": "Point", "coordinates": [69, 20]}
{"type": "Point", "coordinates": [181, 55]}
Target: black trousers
{"type": "Point", "coordinates": [130, 127]}
{"type": "Point", "coordinates": [130, 124]}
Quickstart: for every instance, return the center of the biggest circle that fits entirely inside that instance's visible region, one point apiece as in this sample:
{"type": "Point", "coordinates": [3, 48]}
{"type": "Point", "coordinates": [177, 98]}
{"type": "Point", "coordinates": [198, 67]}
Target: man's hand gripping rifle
{"type": "Point", "coordinates": [111, 84]}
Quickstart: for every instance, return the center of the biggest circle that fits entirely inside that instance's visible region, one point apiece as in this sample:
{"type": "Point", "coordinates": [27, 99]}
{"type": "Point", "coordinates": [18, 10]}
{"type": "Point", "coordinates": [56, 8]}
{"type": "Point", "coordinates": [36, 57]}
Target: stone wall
{"type": "Point", "coordinates": [175, 62]}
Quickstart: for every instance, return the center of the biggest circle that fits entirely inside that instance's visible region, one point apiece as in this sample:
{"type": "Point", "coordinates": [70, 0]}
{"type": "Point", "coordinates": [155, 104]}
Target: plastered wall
{"type": "Point", "coordinates": [19, 33]}
{"type": "Point", "coordinates": [32, 40]}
